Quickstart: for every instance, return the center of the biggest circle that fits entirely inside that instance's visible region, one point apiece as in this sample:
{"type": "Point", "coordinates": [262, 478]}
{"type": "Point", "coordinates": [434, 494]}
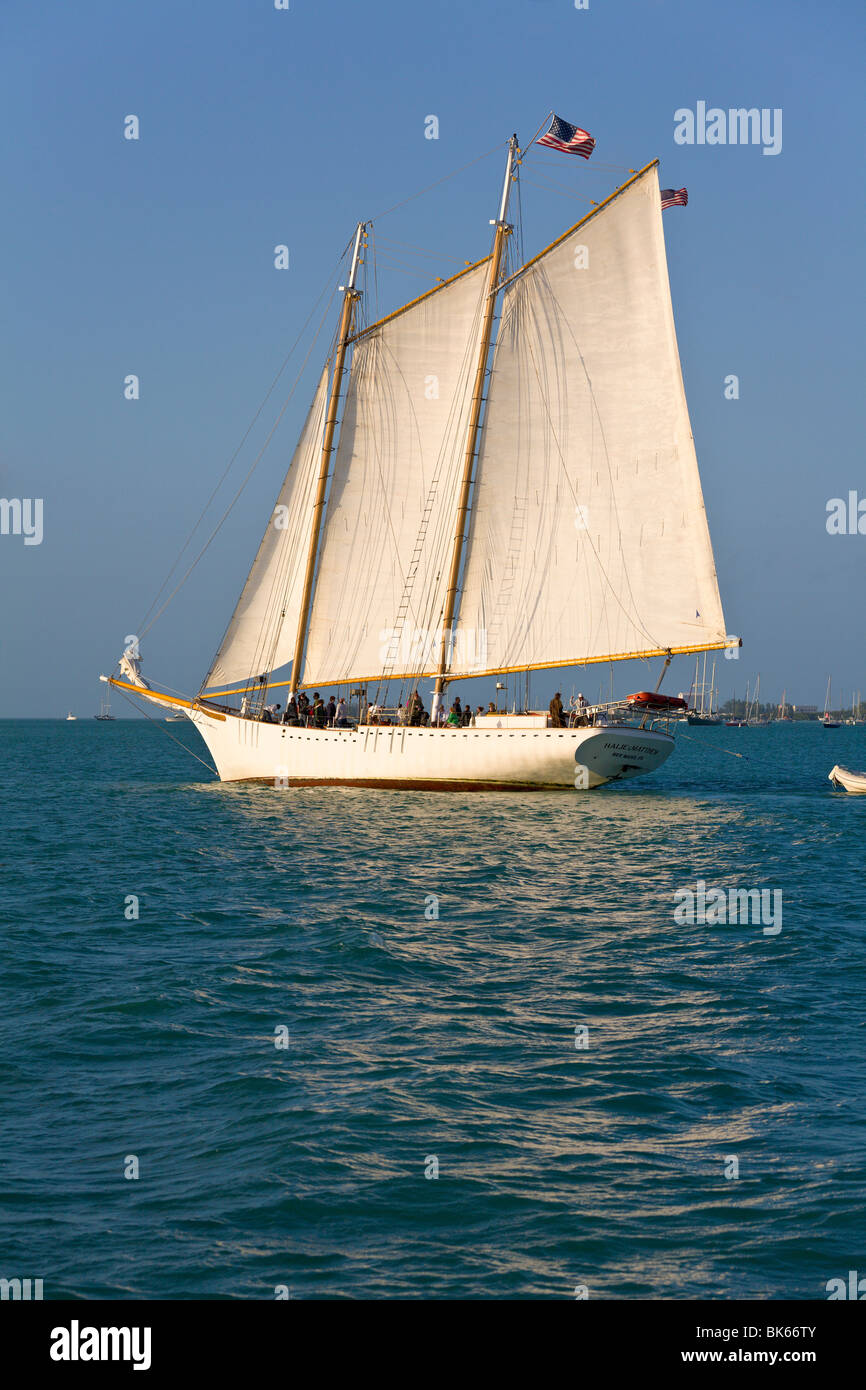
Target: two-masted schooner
{"type": "Point", "coordinates": [481, 508]}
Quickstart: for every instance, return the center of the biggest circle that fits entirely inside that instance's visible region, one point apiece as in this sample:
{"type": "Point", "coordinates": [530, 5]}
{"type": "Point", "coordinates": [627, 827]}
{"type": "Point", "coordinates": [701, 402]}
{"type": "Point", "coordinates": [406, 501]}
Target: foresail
{"type": "Point", "coordinates": [261, 635]}
{"type": "Point", "coordinates": [588, 537]}
{"type": "Point", "coordinates": [389, 529]}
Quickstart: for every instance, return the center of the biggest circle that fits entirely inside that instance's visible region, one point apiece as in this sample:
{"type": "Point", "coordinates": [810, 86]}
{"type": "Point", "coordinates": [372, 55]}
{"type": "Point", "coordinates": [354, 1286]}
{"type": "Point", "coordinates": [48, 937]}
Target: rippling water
{"type": "Point", "coordinates": [416, 1040]}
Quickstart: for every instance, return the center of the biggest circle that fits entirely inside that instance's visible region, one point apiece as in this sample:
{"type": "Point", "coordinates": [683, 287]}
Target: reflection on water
{"type": "Point", "coordinates": [495, 980]}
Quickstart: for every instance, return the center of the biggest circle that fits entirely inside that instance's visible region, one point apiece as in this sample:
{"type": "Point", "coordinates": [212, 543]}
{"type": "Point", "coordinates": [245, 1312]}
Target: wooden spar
{"type": "Point", "coordinates": [601, 660]}
{"type": "Point", "coordinates": [503, 230]}
{"type": "Point", "coordinates": [350, 298]}
{"type": "Point", "coordinates": [147, 694]}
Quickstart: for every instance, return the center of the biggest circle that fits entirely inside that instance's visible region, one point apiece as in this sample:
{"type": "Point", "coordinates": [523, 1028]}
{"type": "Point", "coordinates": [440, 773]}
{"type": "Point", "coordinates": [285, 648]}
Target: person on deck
{"type": "Point", "coordinates": [291, 714]}
{"type": "Point", "coordinates": [319, 714]}
{"type": "Point", "coordinates": [556, 711]}
{"type": "Point", "coordinates": [415, 710]}
{"type": "Point", "coordinates": [331, 709]}
{"type": "Point", "coordinates": [340, 720]}
{"type": "Point", "coordinates": [455, 716]}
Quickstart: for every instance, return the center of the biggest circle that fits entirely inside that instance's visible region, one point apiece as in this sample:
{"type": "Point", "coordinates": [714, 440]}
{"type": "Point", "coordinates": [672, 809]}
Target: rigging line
{"type": "Point", "coordinates": [548, 188]}
{"type": "Point", "coordinates": [444, 179]}
{"type": "Point", "coordinates": [249, 474]}
{"type": "Point", "coordinates": [388, 243]}
{"type": "Point", "coordinates": [390, 259]}
{"type": "Point", "coordinates": [129, 699]}
{"type": "Point", "coordinates": [246, 435]}
{"type": "Point", "coordinates": [691, 738]}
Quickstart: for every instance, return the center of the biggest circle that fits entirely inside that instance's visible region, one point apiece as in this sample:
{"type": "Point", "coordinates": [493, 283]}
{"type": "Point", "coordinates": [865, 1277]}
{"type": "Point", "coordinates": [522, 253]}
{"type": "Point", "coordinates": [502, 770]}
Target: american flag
{"type": "Point", "coordinates": [570, 139]}
{"type": "Point", "coordinates": [674, 198]}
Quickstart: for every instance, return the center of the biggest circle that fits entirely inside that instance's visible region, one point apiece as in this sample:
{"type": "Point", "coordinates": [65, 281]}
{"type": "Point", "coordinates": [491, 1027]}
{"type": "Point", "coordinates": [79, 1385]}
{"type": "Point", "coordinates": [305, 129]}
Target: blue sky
{"type": "Point", "coordinates": [261, 127]}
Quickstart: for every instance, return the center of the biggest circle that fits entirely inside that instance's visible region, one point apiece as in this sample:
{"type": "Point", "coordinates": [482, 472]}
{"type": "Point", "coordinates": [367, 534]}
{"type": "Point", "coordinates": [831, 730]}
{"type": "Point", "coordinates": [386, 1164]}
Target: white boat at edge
{"type": "Point", "coordinates": [850, 781]}
{"type": "Point", "coordinates": [461, 501]}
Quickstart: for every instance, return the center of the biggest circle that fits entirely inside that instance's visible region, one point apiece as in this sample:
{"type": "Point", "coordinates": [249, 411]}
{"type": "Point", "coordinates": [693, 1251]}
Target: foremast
{"type": "Point", "coordinates": [503, 231]}
{"type": "Point", "coordinates": [351, 295]}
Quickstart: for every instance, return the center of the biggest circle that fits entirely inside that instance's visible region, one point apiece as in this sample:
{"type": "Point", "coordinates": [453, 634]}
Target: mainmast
{"type": "Point", "coordinates": [350, 298]}
{"type": "Point", "coordinates": [503, 230]}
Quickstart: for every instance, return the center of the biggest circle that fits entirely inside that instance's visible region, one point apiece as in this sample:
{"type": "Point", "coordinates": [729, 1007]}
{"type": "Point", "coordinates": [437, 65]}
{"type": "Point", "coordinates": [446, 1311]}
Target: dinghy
{"type": "Point", "coordinates": [850, 781]}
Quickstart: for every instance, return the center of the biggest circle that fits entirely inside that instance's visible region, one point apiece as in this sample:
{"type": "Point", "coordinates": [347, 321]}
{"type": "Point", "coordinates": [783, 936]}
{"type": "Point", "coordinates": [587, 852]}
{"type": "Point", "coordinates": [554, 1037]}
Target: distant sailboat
{"type": "Point", "coordinates": [554, 488]}
{"type": "Point", "coordinates": [704, 715]}
{"type": "Point", "coordinates": [827, 721]}
{"type": "Point", "coordinates": [70, 715]}
{"type": "Point", "coordinates": [104, 709]}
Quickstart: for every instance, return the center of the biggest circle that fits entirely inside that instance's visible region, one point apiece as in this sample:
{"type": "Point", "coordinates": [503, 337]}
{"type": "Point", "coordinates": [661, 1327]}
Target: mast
{"type": "Point", "coordinates": [503, 230]}
{"type": "Point", "coordinates": [350, 298]}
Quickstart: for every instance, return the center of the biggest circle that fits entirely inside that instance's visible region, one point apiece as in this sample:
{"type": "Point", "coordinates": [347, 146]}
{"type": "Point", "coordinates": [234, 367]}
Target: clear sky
{"type": "Point", "coordinates": [261, 127]}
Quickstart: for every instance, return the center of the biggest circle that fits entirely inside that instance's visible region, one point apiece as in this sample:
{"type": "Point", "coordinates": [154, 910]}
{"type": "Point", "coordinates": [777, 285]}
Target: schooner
{"type": "Point", "coordinates": [481, 508]}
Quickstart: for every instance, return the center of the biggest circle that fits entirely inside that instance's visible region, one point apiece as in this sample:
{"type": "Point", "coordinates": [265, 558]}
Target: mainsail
{"type": "Point", "coordinates": [390, 521]}
{"type": "Point", "coordinates": [588, 538]}
{"type": "Point", "coordinates": [261, 634]}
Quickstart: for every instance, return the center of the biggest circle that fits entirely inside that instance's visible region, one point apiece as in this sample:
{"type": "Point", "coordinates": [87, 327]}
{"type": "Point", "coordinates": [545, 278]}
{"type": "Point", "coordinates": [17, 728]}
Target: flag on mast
{"type": "Point", "coordinates": [568, 139]}
{"type": "Point", "coordinates": [673, 197]}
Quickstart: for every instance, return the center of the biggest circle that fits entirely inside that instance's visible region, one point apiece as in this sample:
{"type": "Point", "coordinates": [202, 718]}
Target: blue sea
{"type": "Point", "coordinates": [392, 1045]}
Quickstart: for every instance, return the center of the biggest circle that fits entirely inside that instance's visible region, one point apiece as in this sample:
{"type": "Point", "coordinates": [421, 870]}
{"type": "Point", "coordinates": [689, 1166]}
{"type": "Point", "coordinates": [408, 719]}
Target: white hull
{"type": "Point", "coordinates": [851, 781]}
{"type": "Point", "coordinates": [430, 759]}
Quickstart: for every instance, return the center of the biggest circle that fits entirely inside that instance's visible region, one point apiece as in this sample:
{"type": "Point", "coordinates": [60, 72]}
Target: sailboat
{"type": "Point", "coordinates": [482, 509]}
{"type": "Point", "coordinates": [704, 715]}
{"type": "Point", "coordinates": [72, 716]}
{"type": "Point", "coordinates": [827, 721]}
{"type": "Point", "coordinates": [104, 709]}
{"type": "Point", "coordinates": [754, 718]}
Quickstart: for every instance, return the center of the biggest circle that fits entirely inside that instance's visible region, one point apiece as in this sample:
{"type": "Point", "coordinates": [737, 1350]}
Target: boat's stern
{"type": "Point", "coordinates": [616, 752]}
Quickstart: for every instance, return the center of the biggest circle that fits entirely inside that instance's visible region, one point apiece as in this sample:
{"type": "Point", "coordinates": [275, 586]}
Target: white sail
{"type": "Point", "coordinates": [262, 631]}
{"type": "Point", "coordinates": [588, 536]}
{"type": "Point", "coordinates": [391, 511]}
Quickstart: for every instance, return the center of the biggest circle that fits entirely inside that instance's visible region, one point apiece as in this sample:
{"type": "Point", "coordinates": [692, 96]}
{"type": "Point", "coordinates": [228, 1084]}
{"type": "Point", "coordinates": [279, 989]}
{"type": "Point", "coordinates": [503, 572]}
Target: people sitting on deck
{"type": "Point", "coordinates": [271, 714]}
{"type": "Point", "coordinates": [455, 716]}
{"type": "Point", "coordinates": [402, 714]}
{"type": "Point", "coordinates": [479, 714]}
{"type": "Point", "coordinates": [331, 709]}
{"type": "Point", "coordinates": [556, 711]}
{"type": "Point", "coordinates": [340, 720]}
{"type": "Point", "coordinates": [491, 708]}
{"type": "Point", "coordinates": [467, 717]}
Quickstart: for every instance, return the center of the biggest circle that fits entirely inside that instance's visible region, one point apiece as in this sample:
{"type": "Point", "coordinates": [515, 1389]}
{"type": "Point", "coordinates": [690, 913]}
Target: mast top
{"type": "Point", "coordinates": [349, 287]}
{"type": "Point", "coordinates": [513, 151]}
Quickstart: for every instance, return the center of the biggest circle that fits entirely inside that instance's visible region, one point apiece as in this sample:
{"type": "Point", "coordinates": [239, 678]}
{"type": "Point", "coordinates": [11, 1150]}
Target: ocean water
{"type": "Point", "coordinates": [416, 1043]}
